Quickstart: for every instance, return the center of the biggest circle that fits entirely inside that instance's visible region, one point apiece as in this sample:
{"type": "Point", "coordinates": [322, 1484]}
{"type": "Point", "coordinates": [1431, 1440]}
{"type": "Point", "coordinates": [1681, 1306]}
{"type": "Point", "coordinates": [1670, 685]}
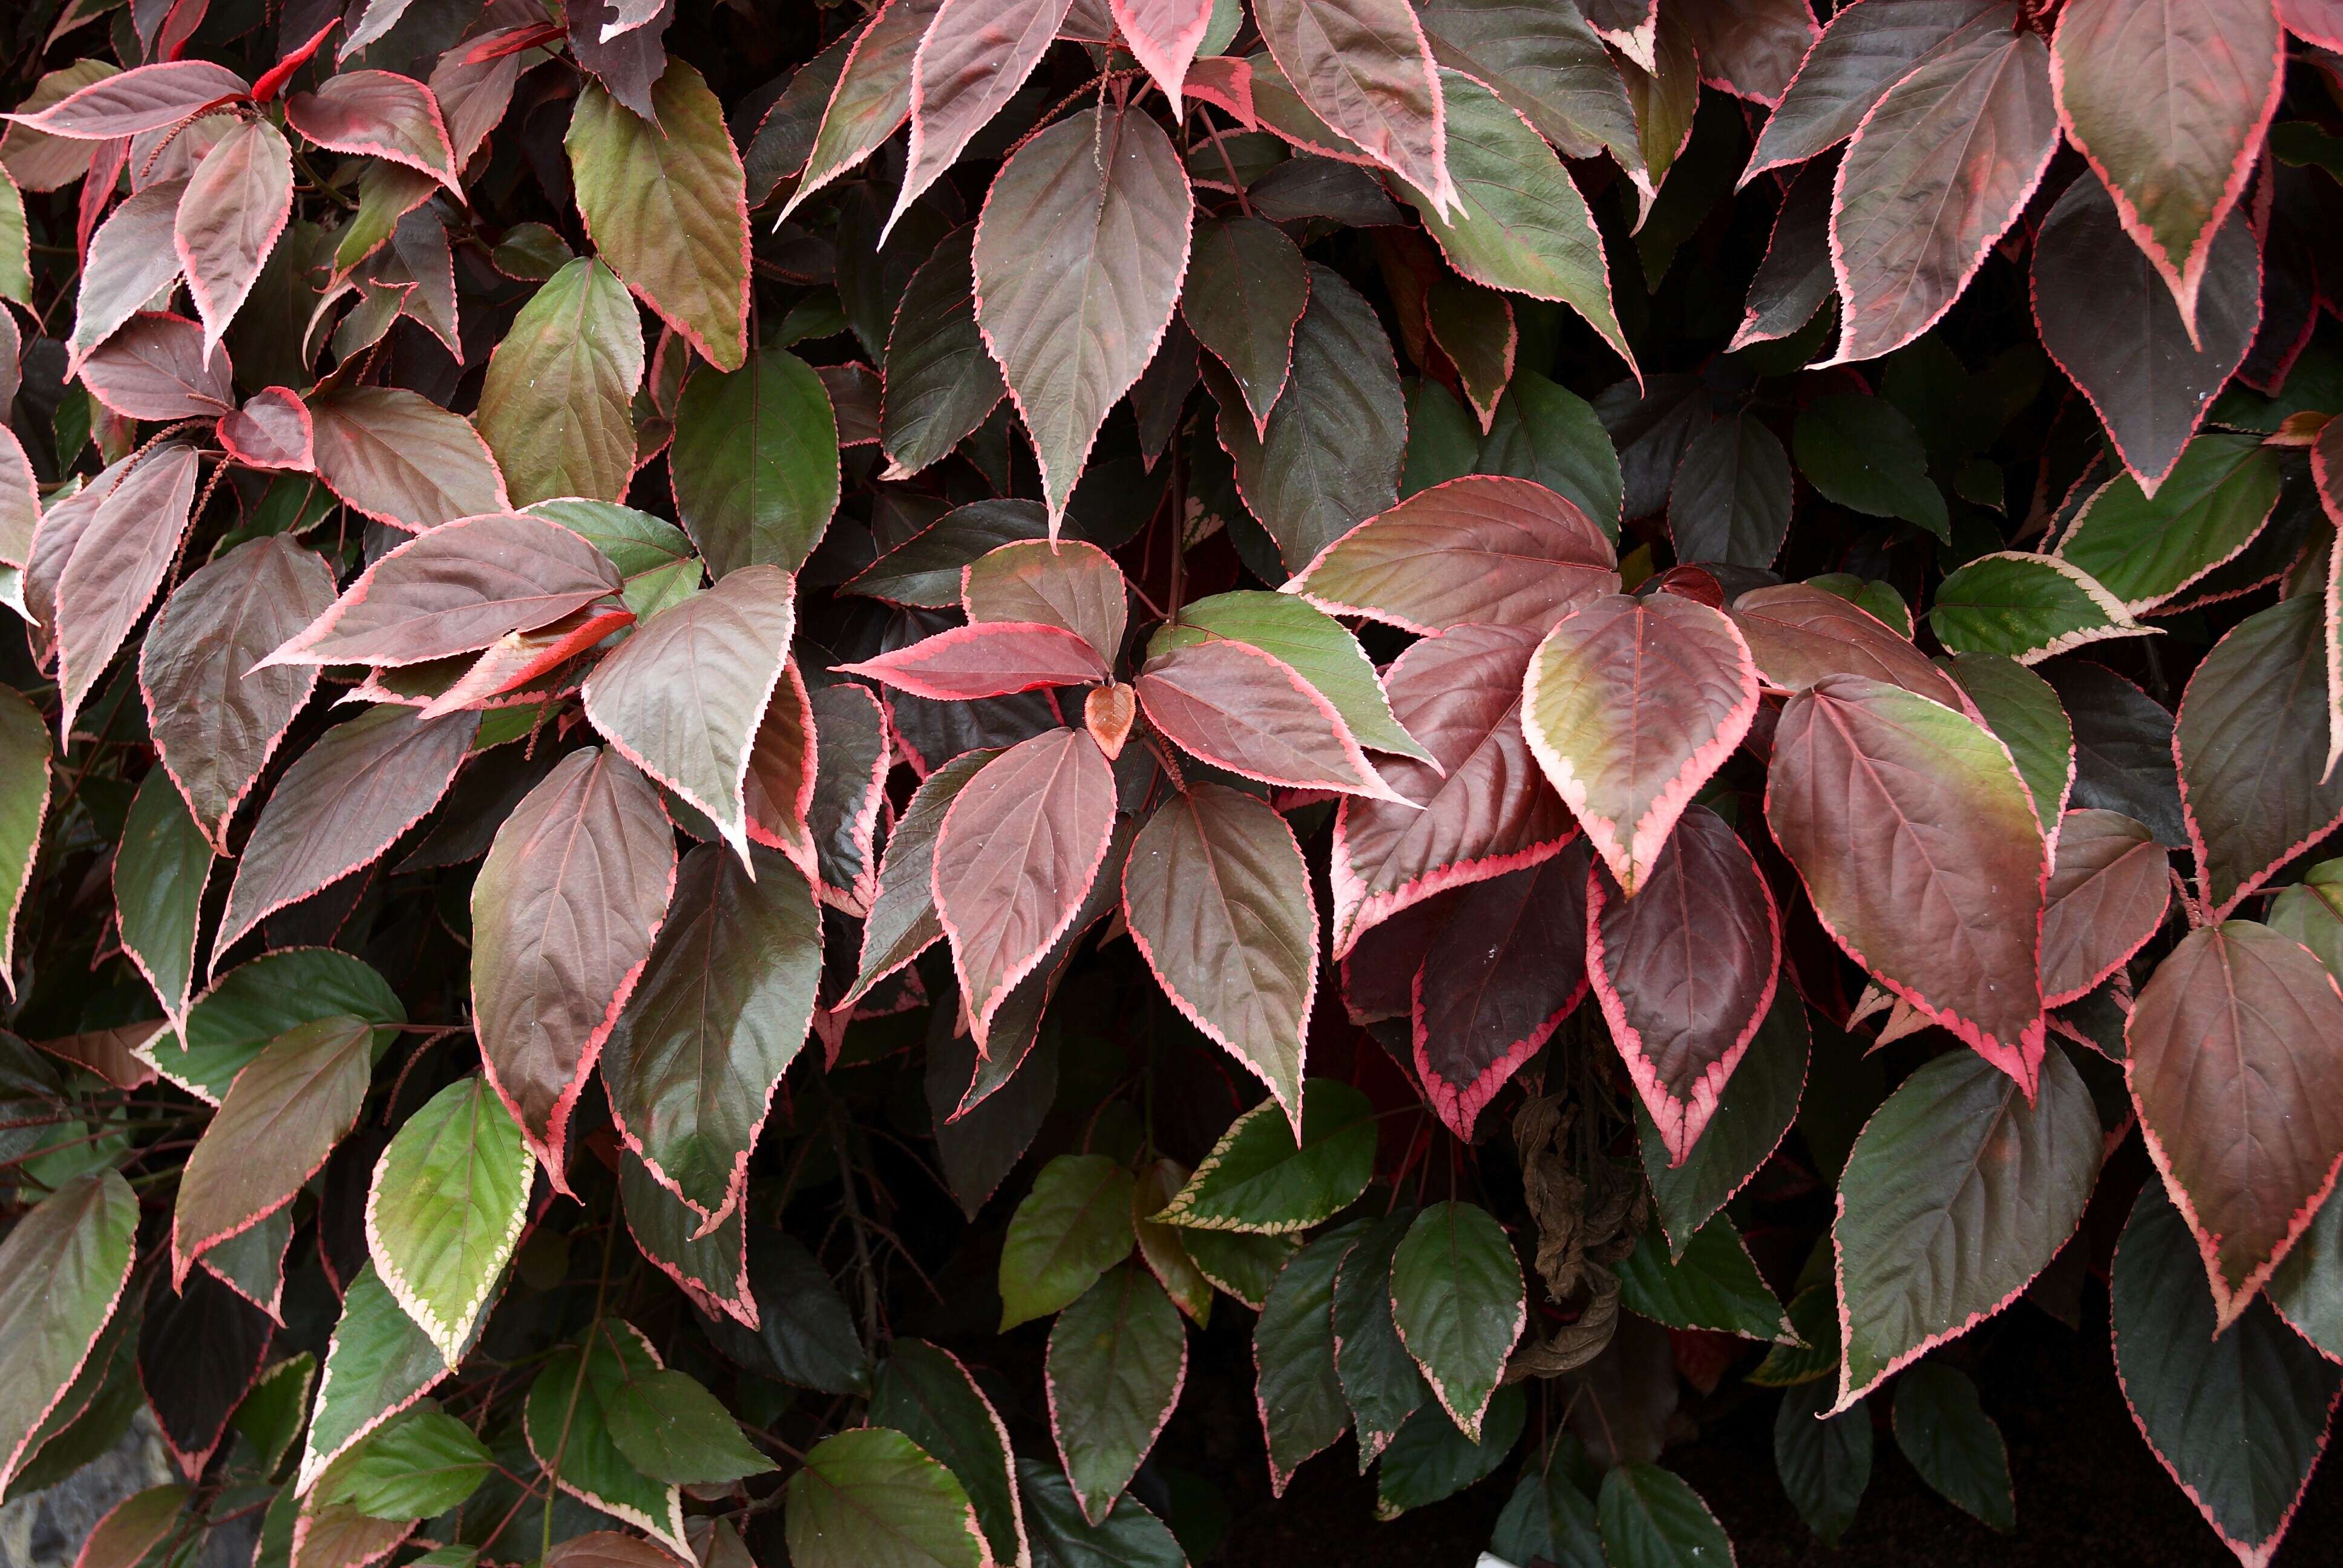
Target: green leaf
{"type": "Point", "coordinates": [376, 1364]}
{"type": "Point", "coordinates": [1864, 453]}
{"type": "Point", "coordinates": [133, 1527]}
{"type": "Point", "coordinates": [1824, 1461]}
{"type": "Point", "coordinates": [1071, 1228]}
{"type": "Point", "coordinates": [1956, 1194]}
{"type": "Point", "coordinates": [1429, 1459]}
{"type": "Point", "coordinates": [1379, 1380]}
{"type": "Point", "coordinates": [1132, 1537]}
{"type": "Point", "coordinates": [2144, 549]}
{"type": "Point", "coordinates": [1240, 1262]}
{"type": "Point", "coordinates": [1302, 1412]}
{"type": "Point", "coordinates": [2022, 710]}
{"type": "Point", "coordinates": [1549, 1516]}
{"type": "Point", "coordinates": [755, 462]}
{"type": "Point", "coordinates": [418, 1466]}
{"type": "Point", "coordinates": [1759, 1103]}
{"type": "Point", "coordinates": [62, 1269]}
{"type": "Point", "coordinates": [654, 557]}
{"type": "Point", "coordinates": [1457, 1299]}
{"type": "Point", "coordinates": [255, 1002]}
{"type": "Point", "coordinates": [1712, 1284]}
{"type": "Point", "coordinates": [666, 204]}
{"type": "Point", "coordinates": [447, 1204]}
{"type": "Point", "coordinates": [928, 1395]}
{"type": "Point", "coordinates": [558, 404]}
{"type": "Point", "coordinates": [670, 1427]}
{"type": "Point", "coordinates": [2307, 1287]}
{"type": "Point", "coordinates": [1550, 433]}
{"type": "Point", "coordinates": [1117, 1357]}
{"type": "Point", "coordinates": [939, 383]}
{"type": "Point", "coordinates": [1954, 1444]}
{"type": "Point", "coordinates": [1813, 1318]}
{"type": "Point", "coordinates": [1246, 286]}
{"type": "Point", "coordinates": [1442, 441]}
{"type": "Point", "coordinates": [1257, 1178]}
{"type": "Point", "coordinates": [1650, 1519]}
{"type": "Point", "coordinates": [2027, 606]}
{"type": "Point", "coordinates": [1520, 224]}
{"type": "Point", "coordinates": [275, 1128]}
{"type": "Point", "coordinates": [872, 1498]}
{"type": "Point", "coordinates": [159, 872]}
{"type": "Point", "coordinates": [271, 1416]}
{"type": "Point", "coordinates": [23, 800]}
{"type": "Point", "coordinates": [567, 1420]}
{"type": "Point", "coordinates": [16, 257]}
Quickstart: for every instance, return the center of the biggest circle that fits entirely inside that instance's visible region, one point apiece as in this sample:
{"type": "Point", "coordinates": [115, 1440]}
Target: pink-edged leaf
{"type": "Point", "coordinates": [1958, 1194]}
{"type": "Point", "coordinates": [1164, 35]}
{"type": "Point", "coordinates": [342, 803]}
{"type": "Point", "coordinates": [61, 524]}
{"type": "Point", "coordinates": [1630, 705]}
{"type": "Point", "coordinates": [1480, 549]}
{"type": "Point", "coordinates": [940, 382]}
{"type": "Point", "coordinates": [118, 562]}
{"type": "Point", "coordinates": [1498, 976]}
{"type": "Point", "coordinates": [146, 98]}
{"type": "Point", "coordinates": [990, 658]}
{"type": "Point", "coordinates": [2238, 1415]}
{"type": "Point", "coordinates": [2235, 1059]}
{"type": "Point", "coordinates": [2113, 327]}
{"type": "Point", "coordinates": [2169, 102]}
{"type": "Point", "coordinates": [132, 1528]}
{"type": "Point", "coordinates": [277, 1124]}
{"type": "Point", "coordinates": [63, 1267]}
{"type": "Point", "coordinates": [130, 260]}
{"type": "Point", "coordinates": [563, 913]}
{"type": "Point", "coordinates": [1939, 169]}
{"type": "Point", "coordinates": [2109, 887]}
{"type": "Point", "coordinates": [1252, 713]}
{"type": "Point", "coordinates": [1484, 810]}
{"type": "Point", "coordinates": [778, 788]}
{"type": "Point", "coordinates": [1919, 845]}
{"type": "Point", "coordinates": [271, 431]}
{"type": "Point", "coordinates": [2318, 22]}
{"type": "Point", "coordinates": [1630, 27]}
{"type": "Point", "coordinates": [1365, 68]}
{"type": "Point", "coordinates": [872, 97]}
{"type": "Point", "coordinates": [852, 759]}
{"type": "Point", "coordinates": [271, 82]}
{"type": "Point", "coordinates": [666, 205]}
{"type": "Point", "coordinates": [683, 697]}
{"type": "Point", "coordinates": [160, 871]}
{"type": "Point", "coordinates": [1014, 858]}
{"type": "Point", "coordinates": [20, 502]}
{"type": "Point", "coordinates": [1218, 899]}
{"type": "Point", "coordinates": [1751, 49]}
{"type": "Point", "coordinates": [215, 721]}
{"type": "Point", "coordinates": [2251, 742]}
{"type": "Point", "coordinates": [456, 588]}
{"type": "Point", "coordinates": [1078, 258]}
{"type": "Point", "coordinates": [402, 459]}
{"type": "Point", "coordinates": [1800, 634]}
{"type": "Point", "coordinates": [972, 59]}
{"type": "Point", "coordinates": [721, 1010]}
{"type": "Point", "coordinates": [235, 206]}
{"type": "Point", "coordinates": [154, 368]}
{"type": "Point", "coordinates": [1117, 1359]}
{"type": "Point", "coordinates": [1068, 584]}
{"type": "Point", "coordinates": [902, 923]}
{"type": "Point", "coordinates": [2326, 472]}
{"type": "Point", "coordinates": [1685, 972]}
{"type": "Point", "coordinates": [381, 115]}
{"type": "Point", "coordinates": [1247, 286]}
{"type": "Point", "coordinates": [517, 658]}
{"type": "Point", "coordinates": [1865, 50]}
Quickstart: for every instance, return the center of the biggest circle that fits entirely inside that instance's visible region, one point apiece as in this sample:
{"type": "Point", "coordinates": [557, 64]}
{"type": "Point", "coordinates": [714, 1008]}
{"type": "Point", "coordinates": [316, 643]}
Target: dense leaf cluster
{"type": "Point", "coordinates": [771, 761]}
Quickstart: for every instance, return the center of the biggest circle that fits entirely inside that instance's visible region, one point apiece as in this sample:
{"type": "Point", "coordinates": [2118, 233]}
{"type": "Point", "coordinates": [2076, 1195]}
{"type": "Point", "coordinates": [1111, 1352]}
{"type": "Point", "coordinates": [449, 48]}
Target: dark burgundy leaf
{"type": "Point", "coordinates": [993, 658]}
{"type": "Point", "coordinates": [1685, 972]}
{"type": "Point", "coordinates": [154, 368]}
{"type": "Point", "coordinates": [2108, 890]}
{"type": "Point", "coordinates": [199, 1349]}
{"type": "Point", "coordinates": [1498, 976]}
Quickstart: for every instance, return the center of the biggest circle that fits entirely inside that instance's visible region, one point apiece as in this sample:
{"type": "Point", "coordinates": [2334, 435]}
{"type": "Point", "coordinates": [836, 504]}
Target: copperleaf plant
{"type": "Point", "coordinates": [780, 775]}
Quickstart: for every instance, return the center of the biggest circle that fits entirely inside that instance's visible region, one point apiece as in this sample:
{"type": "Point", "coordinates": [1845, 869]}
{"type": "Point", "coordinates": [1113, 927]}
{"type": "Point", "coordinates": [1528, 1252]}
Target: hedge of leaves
{"type": "Point", "coordinates": [772, 762]}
